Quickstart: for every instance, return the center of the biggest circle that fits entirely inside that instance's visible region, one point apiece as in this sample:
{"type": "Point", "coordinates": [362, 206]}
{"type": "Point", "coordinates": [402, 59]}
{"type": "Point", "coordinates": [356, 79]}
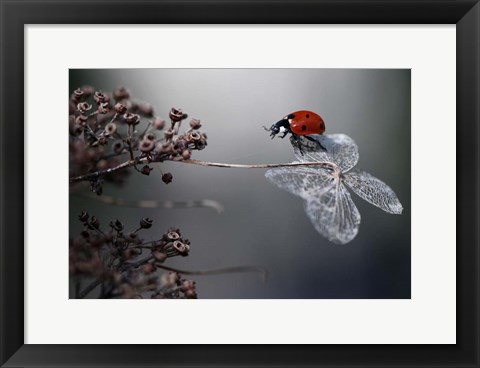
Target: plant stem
{"type": "Point", "coordinates": [259, 166]}
{"type": "Point", "coordinates": [89, 288]}
{"type": "Point", "coordinates": [129, 163]}
{"type": "Point", "coordinates": [218, 271]}
{"type": "Point", "coordinates": [100, 173]}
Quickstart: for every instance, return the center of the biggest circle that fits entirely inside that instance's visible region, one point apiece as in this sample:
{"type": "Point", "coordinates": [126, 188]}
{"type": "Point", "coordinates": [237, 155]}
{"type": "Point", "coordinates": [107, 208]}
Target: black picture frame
{"type": "Point", "coordinates": [15, 14]}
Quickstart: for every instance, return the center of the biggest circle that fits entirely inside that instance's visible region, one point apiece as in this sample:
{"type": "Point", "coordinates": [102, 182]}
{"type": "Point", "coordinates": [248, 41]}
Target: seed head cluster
{"type": "Point", "coordinates": [120, 264]}
{"type": "Point", "coordinates": [107, 130]}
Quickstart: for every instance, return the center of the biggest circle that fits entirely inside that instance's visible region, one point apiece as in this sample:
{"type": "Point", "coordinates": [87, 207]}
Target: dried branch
{"type": "Point", "coordinates": [220, 271]}
{"type": "Point", "coordinates": [129, 163]}
{"type": "Point", "coordinates": [329, 165]}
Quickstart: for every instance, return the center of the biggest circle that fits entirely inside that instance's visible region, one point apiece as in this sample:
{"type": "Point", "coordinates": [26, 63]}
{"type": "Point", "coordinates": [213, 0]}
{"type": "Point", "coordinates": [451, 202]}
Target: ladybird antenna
{"type": "Point", "coordinates": [264, 127]}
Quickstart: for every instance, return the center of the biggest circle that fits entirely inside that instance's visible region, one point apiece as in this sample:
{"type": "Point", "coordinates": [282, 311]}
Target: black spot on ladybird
{"type": "Point", "coordinates": [291, 116]}
{"type": "Point", "coordinates": [308, 115]}
{"type": "Point", "coordinates": [304, 127]}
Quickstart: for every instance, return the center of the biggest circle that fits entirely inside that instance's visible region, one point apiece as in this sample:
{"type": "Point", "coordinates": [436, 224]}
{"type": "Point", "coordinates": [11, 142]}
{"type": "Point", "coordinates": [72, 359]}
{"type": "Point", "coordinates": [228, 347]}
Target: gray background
{"type": "Point", "coordinates": [261, 224]}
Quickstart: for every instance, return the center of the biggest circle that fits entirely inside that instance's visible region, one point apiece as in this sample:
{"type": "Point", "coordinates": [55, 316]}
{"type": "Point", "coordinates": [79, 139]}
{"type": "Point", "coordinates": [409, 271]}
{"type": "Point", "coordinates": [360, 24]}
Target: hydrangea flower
{"type": "Point", "coordinates": [328, 203]}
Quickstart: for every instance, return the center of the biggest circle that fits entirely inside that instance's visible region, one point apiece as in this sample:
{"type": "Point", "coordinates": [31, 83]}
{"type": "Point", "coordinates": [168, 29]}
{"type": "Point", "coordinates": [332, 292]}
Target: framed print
{"type": "Point", "coordinates": [380, 99]}
{"type": "Point", "coordinates": [232, 203]}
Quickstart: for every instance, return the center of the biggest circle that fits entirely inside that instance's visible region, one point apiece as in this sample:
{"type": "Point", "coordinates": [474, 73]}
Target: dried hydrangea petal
{"type": "Point", "coordinates": [338, 148]}
{"type": "Point", "coordinates": [373, 190]}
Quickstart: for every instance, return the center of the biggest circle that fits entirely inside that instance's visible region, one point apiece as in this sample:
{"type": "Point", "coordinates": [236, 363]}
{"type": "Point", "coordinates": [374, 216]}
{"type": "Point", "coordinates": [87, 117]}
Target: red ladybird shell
{"type": "Point", "coordinates": [305, 122]}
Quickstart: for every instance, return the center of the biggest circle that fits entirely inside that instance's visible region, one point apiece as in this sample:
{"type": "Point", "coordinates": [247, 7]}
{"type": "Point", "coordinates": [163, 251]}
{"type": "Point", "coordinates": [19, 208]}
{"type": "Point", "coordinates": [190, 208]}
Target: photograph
{"type": "Point", "coordinates": [239, 183]}
{"type": "Point", "coordinates": [263, 159]}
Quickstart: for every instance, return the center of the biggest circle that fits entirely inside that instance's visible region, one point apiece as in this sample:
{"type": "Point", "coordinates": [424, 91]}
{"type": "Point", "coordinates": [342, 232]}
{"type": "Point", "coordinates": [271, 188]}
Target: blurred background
{"type": "Point", "coordinates": [262, 225]}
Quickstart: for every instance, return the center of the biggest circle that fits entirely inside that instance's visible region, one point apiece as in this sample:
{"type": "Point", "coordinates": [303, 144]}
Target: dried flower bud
{"type": "Point", "coordinates": [85, 233]}
{"type": "Point", "coordinates": [102, 164]}
{"type": "Point", "coordinates": [167, 178]}
{"type": "Point", "coordinates": [150, 137]}
{"type": "Point", "coordinates": [103, 108]}
{"type": "Point", "coordinates": [95, 222]}
{"type": "Point", "coordinates": [146, 223]}
{"type": "Point", "coordinates": [129, 253]}
{"type": "Point", "coordinates": [187, 285]}
{"type": "Point", "coordinates": [121, 94]}
{"type": "Point", "coordinates": [75, 129]}
{"type": "Point", "coordinates": [120, 108]}
{"type": "Point", "coordinates": [83, 107]}
{"type": "Point", "coordinates": [162, 148]}
{"type": "Point", "coordinates": [159, 256]}
{"type": "Point", "coordinates": [118, 147]}
{"type": "Point", "coordinates": [77, 94]}
{"type": "Point", "coordinates": [148, 268]}
{"type": "Point", "coordinates": [83, 216]}
{"type": "Point", "coordinates": [131, 119]}
{"type": "Point", "coordinates": [177, 115]}
{"type": "Point", "coordinates": [116, 225]}
{"type": "Point", "coordinates": [81, 119]}
{"type": "Point", "coordinates": [191, 294]}
{"type": "Point", "coordinates": [201, 144]}
{"type": "Point", "coordinates": [110, 128]}
{"type": "Point", "coordinates": [158, 123]}
{"type": "Point", "coordinates": [100, 97]}
{"type": "Point", "coordinates": [181, 248]}
{"type": "Point", "coordinates": [168, 134]}
{"type": "Point", "coordinates": [195, 124]}
{"type": "Point", "coordinates": [146, 145]}
{"type": "Point", "coordinates": [145, 109]}
{"type": "Point", "coordinates": [173, 235]}
{"type": "Point", "coordinates": [146, 170]}
{"type": "Point", "coordinates": [186, 154]}
{"type": "Point", "coordinates": [176, 150]}
{"type": "Point", "coordinates": [174, 276]}
{"type": "Point", "coordinates": [194, 136]}
{"type": "Point", "coordinates": [159, 148]}
{"type": "Point", "coordinates": [180, 144]}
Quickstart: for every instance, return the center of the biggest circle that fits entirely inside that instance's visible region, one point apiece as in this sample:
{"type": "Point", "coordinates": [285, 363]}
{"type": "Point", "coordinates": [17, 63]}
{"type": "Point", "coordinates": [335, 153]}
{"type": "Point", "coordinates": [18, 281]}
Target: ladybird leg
{"type": "Point", "coordinates": [300, 149]}
{"type": "Point", "coordinates": [284, 134]}
{"type": "Point", "coordinates": [317, 142]}
{"type": "Point", "coordinates": [295, 140]}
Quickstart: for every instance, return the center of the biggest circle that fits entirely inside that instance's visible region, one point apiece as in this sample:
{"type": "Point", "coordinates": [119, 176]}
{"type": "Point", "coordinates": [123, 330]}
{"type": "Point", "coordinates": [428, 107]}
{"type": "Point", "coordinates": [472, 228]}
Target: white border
{"type": "Point", "coordinates": [428, 318]}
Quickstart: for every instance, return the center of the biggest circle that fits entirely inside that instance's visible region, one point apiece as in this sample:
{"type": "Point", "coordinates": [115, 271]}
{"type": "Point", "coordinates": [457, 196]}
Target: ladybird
{"type": "Point", "coordinates": [301, 122]}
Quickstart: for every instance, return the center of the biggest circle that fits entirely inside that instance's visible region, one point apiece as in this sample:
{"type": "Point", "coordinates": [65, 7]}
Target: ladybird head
{"type": "Point", "coordinates": [274, 130]}
{"type": "Point", "coordinates": [282, 126]}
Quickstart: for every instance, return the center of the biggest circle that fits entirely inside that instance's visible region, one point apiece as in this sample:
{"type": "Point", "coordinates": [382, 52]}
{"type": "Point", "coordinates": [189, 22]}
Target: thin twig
{"type": "Point", "coordinates": [145, 131]}
{"type": "Point", "coordinates": [152, 203]}
{"type": "Point", "coordinates": [330, 165]}
{"type": "Point", "coordinates": [129, 163]}
{"type": "Point", "coordinates": [89, 288]}
{"type": "Point", "coordinates": [218, 271]}
{"type": "Point", "coordinates": [100, 173]}
{"type": "Point", "coordinates": [113, 119]}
